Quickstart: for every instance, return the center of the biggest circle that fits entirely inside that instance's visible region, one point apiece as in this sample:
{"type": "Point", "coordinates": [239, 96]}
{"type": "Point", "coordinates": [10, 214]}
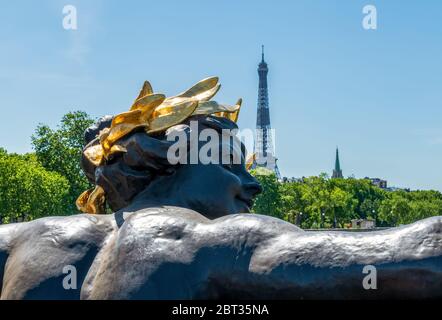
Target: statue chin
{"type": "Point", "coordinates": [169, 252]}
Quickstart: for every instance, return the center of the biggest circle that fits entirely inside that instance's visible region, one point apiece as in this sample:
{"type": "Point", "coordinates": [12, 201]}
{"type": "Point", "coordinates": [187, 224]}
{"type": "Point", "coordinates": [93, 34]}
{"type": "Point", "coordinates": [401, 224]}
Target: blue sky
{"type": "Point", "coordinates": [375, 94]}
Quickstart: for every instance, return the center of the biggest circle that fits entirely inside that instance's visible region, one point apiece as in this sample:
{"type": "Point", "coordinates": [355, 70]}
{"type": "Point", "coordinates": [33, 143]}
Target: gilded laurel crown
{"type": "Point", "coordinates": [153, 113]}
{"type": "Point", "coordinates": [156, 113]}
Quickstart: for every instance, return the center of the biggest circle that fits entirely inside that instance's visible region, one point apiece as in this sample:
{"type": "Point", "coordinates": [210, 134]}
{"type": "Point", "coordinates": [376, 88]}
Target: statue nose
{"type": "Point", "coordinates": [253, 188]}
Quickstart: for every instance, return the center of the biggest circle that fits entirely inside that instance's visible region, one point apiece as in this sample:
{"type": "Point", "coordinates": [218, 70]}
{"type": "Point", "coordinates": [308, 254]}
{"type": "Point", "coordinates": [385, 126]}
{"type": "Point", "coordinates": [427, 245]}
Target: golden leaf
{"type": "Point", "coordinates": [234, 115]}
{"type": "Point", "coordinates": [94, 154]}
{"type": "Point", "coordinates": [250, 161]}
{"type": "Point", "coordinates": [95, 203]}
{"type": "Point", "coordinates": [132, 116]}
{"type": "Point", "coordinates": [168, 106]}
{"type": "Point", "coordinates": [103, 134]}
{"type": "Point", "coordinates": [120, 131]}
{"type": "Point", "coordinates": [180, 113]}
{"type": "Point", "coordinates": [102, 137]}
{"type": "Point", "coordinates": [209, 94]}
{"type": "Point", "coordinates": [200, 88]}
{"type": "Point", "coordinates": [92, 201]}
{"type": "Point", "coordinates": [147, 105]}
{"type": "Point", "coordinates": [211, 107]}
{"type": "Point", "coordinates": [81, 202]}
{"type": "Point", "coordinates": [145, 90]}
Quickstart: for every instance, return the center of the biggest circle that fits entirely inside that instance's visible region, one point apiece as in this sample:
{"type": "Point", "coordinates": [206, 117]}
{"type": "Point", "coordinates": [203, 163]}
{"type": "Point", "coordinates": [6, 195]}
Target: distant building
{"type": "Point", "coordinates": [378, 182]}
{"type": "Point", "coordinates": [292, 179]}
{"type": "Point", "coordinates": [363, 224]}
{"type": "Point", "coordinates": [392, 189]}
{"type": "Point", "coordinates": [337, 172]}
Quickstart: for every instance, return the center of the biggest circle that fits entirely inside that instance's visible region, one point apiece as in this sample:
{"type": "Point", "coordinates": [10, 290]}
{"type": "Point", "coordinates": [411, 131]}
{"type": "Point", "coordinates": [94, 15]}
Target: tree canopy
{"type": "Point", "coordinates": [318, 201]}
{"type": "Point", "coordinates": [59, 150]}
{"type": "Point", "coordinates": [29, 191]}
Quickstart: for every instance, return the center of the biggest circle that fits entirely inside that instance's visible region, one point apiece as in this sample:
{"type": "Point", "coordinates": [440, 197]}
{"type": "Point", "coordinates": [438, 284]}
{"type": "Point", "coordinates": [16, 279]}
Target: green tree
{"type": "Point", "coordinates": [402, 207]}
{"type": "Point", "coordinates": [321, 202]}
{"type": "Point", "coordinates": [368, 197]}
{"type": "Point", "coordinates": [27, 190]}
{"type": "Point", "coordinates": [342, 206]}
{"type": "Point", "coordinates": [60, 150]}
{"type": "Point", "coordinates": [269, 202]}
{"type": "Point", "coordinates": [312, 193]}
{"type": "Point", "coordinates": [292, 203]}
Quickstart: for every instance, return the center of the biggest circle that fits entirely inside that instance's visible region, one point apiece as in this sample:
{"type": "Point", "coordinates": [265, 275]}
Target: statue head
{"type": "Point", "coordinates": [134, 159]}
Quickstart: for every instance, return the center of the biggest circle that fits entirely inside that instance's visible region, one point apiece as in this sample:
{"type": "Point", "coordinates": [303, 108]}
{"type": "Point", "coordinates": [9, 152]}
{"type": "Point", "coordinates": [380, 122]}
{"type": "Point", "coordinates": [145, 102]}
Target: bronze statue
{"type": "Point", "coordinates": [184, 232]}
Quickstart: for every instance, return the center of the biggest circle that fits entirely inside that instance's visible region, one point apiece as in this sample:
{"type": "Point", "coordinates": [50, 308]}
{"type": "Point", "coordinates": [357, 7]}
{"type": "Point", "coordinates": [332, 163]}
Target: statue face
{"type": "Point", "coordinates": [215, 190]}
{"type": "Point", "coordinates": [216, 182]}
{"type": "Point", "coordinates": [222, 187]}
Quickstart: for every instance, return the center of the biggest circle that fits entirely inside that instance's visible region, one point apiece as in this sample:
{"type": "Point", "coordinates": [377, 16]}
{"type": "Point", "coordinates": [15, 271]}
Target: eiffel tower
{"type": "Point", "coordinates": [264, 148]}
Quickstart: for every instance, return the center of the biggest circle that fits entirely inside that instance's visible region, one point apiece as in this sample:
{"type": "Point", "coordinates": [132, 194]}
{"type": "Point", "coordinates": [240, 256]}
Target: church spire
{"type": "Point", "coordinates": [337, 172]}
{"type": "Point", "coordinates": [337, 164]}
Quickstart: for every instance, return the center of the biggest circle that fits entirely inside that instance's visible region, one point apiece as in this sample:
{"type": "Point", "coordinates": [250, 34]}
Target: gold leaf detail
{"type": "Point", "coordinates": [81, 202]}
{"type": "Point", "coordinates": [118, 132]}
{"type": "Point", "coordinates": [250, 161]}
{"type": "Point", "coordinates": [92, 201]}
{"type": "Point", "coordinates": [132, 116]}
{"type": "Point", "coordinates": [180, 113]}
{"type": "Point", "coordinates": [145, 90]}
{"type": "Point", "coordinates": [94, 154]}
{"type": "Point", "coordinates": [205, 87]}
{"type": "Point", "coordinates": [213, 107]}
{"type": "Point", "coordinates": [147, 105]}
